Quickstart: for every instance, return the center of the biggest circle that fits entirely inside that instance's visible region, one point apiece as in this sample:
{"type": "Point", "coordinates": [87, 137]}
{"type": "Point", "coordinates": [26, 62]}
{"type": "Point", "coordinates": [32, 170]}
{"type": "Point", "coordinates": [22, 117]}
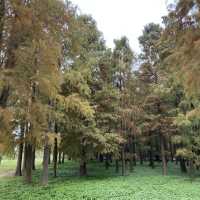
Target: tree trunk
{"type": "Point", "coordinates": [24, 158]}
{"type": "Point", "coordinates": [164, 162]}
{"type": "Point", "coordinates": [107, 164]}
{"type": "Point", "coordinates": [131, 163]}
{"type": "Point", "coordinates": [59, 157]}
{"type": "Point", "coordinates": [191, 169]}
{"type": "Point", "coordinates": [49, 162]}
{"type": "Point", "coordinates": [63, 158]}
{"type": "Point", "coordinates": [83, 166]}
{"type": "Point", "coordinates": [101, 158]}
{"type": "Point", "coordinates": [45, 162]}
{"type": "Point", "coordinates": [28, 162]}
{"type": "Point", "coordinates": [18, 171]}
{"type": "Point", "coordinates": [151, 157]}
{"type": "Point", "coordinates": [5, 35]}
{"type": "Point", "coordinates": [171, 151]}
{"type": "Point", "coordinates": [183, 165]}
{"type": "Point", "coordinates": [141, 157]}
{"type": "Point", "coordinates": [4, 96]}
{"type": "Point", "coordinates": [132, 160]}
{"type": "Point", "coordinates": [33, 162]}
{"type": "Point", "coordinates": [55, 157]}
{"type": "Point", "coordinates": [123, 162]}
{"type": "Point", "coordinates": [117, 166]}
{"type": "Point", "coordinates": [134, 151]}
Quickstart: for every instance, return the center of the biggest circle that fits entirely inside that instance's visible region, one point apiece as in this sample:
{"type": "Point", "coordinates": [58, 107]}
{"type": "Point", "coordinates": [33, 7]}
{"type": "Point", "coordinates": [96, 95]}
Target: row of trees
{"type": "Point", "coordinates": [64, 92]}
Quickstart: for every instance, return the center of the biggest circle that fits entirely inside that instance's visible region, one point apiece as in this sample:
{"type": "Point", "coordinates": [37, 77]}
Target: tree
{"type": "Point", "coordinates": [123, 60]}
{"type": "Point", "coordinates": [182, 24]}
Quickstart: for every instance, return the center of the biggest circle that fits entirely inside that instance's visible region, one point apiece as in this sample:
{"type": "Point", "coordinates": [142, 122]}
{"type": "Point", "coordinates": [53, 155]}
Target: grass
{"type": "Point", "coordinates": [7, 165]}
{"type": "Point", "coordinates": [143, 184]}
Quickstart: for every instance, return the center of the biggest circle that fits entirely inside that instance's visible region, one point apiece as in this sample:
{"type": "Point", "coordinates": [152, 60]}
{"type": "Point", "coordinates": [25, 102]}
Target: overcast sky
{"type": "Point", "coordinates": [116, 18]}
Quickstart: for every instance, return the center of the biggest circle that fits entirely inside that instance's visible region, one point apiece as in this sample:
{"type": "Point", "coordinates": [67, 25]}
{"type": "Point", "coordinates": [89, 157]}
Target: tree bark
{"type": "Point", "coordinates": [132, 160]}
{"type": "Point", "coordinates": [55, 157]}
{"type": "Point", "coordinates": [183, 165]}
{"type": "Point", "coordinates": [101, 158]}
{"type": "Point", "coordinates": [49, 162]}
{"type": "Point", "coordinates": [33, 162]}
{"type": "Point", "coordinates": [18, 171]}
{"type": "Point", "coordinates": [141, 157]}
{"type": "Point", "coordinates": [63, 158]}
{"type": "Point", "coordinates": [131, 163]}
{"type": "Point", "coordinates": [6, 26]}
{"type": "Point", "coordinates": [4, 96]}
{"type": "Point", "coordinates": [83, 168]}
{"type": "Point", "coordinates": [28, 162]}
{"type": "Point", "coordinates": [107, 164]}
{"type": "Point", "coordinates": [191, 169]}
{"type": "Point", "coordinates": [59, 157]}
{"type": "Point", "coordinates": [83, 165]}
{"type": "Point", "coordinates": [24, 159]}
{"type": "Point", "coordinates": [134, 151]}
{"type": "Point", "coordinates": [171, 151]}
{"type": "Point", "coordinates": [151, 157]}
{"type": "Point", "coordinates": [45, 162]}
{"type": "Point", "coordinates": [117, 166]}
{"type": "Point", "coordinates": [123, 162]}
{"type": "Point", "coordinates": [164, 162]}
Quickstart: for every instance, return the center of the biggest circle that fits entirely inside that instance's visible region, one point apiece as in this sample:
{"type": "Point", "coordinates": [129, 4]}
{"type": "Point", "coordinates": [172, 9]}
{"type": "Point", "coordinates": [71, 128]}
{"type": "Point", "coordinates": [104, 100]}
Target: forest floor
{"type": "Point", "coordinates": [143, 184]}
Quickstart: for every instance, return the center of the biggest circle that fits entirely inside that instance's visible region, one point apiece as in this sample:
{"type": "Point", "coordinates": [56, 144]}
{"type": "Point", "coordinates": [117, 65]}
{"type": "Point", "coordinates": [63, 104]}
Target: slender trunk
{"type": "Point", "coordinates": [117, 166]}
{"type": "Point", "coordinates": [59, 157]}
{"type": "Point", "coordinates": [6, 29]}
{"type": "Point", "coordinates": [45, 162]}
{"type": "Point", "coordinates": [49, 162]}
{"type": "Point", "coordinates": [83, 166]}
{"type": "Point", "coordinates": [123, 162]}
{"type": "Point", "coordinates": [134, 151]}
{"type": "Point", "coordinates": [176, 161]}
{"type": "Point", "coordinates": [183, 165]}
{"type": "Point", "coordinates": [28, 162]}
{"type": "Point", "coordinates": [107, 163]}
{"type": "Point", "coordinates": [63, 158]}
{"type": "Point", "coordinates": [33, 162]}
{"type": "Point", "coordinates": [2, 12]}
{"type": "Point", "coordinates": [55, 157]}
{"type": "Point", "coordinates": [4, 95]}
{"type": "Point", "coordinates": [101, 158]}
{"type": "Point", "coordinates": [164, 162]}
{"type": "Point", "coordinates": [132, 160]}
{"type": "Point", "coordinates": [24, 159]}
{"type": "Point", "coordinates": [191, 169]}
{"type": "Point", "coordinates": [171, 151]}
{"type": "Point", "coordinates": [151, 157]}
{"type": "Point", "coordinates": [141, 157]}
{"type": "Point", "coordinates": [131, 163]}
{"type": "Point", "coordinates": [18, 171]}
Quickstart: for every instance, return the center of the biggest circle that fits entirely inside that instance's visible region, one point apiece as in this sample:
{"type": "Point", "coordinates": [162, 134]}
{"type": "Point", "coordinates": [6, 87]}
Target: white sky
{"type": "Point", "coordinates": [116, 18]}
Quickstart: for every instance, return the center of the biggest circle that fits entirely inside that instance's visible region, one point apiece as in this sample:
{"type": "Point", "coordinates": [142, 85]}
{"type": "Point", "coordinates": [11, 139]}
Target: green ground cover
{"type": "Point", "coordinates": [7, 165]}
{"type": "Point", "coordinates": [143, 184]}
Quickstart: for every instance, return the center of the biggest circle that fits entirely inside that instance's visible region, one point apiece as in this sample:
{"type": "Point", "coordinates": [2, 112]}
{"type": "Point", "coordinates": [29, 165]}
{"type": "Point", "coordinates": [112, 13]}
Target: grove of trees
{"type": "Point", "coordinates": [64, 93]}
